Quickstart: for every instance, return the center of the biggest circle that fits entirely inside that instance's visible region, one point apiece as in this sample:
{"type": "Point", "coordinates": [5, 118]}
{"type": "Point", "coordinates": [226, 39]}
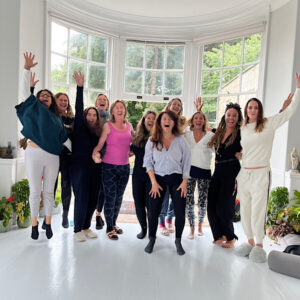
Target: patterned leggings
{"type": "Point", "coordinates": [203, 185]}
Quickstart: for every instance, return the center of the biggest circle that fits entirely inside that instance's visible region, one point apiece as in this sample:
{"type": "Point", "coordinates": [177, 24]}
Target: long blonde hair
{"type": "Point", "coordinates": [69, 111]}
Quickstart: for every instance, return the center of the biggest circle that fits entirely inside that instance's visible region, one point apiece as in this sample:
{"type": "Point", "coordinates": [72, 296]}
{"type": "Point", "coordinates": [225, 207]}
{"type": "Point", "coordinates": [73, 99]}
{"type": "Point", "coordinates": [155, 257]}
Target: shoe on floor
{"type": "Point", "coordinates": [44, 224]}
{"type": "Point", "coordinates": [258, 255]}
{"type": "Point", "coordinates": [99, 222]}
{"type": "Point", "coordinates": [35, 232]}
{"type": "Point", "coordinates": [243, 250]}
{"type": "Point", "coordinates": [65, 220]}
{"type": "Point", "coordinates": [79, 237]}
{"type": "Point", "coordinates": [90, 234]}
{"type": "Point", "coordinates": [49, 232]}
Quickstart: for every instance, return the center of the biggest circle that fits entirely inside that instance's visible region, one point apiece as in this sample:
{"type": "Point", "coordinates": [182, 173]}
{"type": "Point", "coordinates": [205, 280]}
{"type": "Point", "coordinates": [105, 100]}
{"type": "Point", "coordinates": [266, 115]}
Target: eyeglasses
{"type": "Point", "coordinates": [45, 95]}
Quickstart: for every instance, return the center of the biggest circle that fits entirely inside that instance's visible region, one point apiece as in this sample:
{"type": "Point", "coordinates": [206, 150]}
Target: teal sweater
{"type": "Point", "coordinates": [41, 125]}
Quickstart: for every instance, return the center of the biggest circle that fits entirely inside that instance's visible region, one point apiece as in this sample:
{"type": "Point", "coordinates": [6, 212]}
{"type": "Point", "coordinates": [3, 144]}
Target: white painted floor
{"type": "Point", "coordinates": [105, 269]}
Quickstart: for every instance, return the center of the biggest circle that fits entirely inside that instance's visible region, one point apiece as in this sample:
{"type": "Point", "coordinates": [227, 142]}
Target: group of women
{"type": "Point", "coordinates": [172, 155]}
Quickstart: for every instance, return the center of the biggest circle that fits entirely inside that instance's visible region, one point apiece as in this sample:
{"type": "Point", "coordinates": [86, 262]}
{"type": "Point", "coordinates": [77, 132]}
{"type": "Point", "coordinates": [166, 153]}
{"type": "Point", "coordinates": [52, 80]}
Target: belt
{"type": "Point", "coordinates": [225, 161]}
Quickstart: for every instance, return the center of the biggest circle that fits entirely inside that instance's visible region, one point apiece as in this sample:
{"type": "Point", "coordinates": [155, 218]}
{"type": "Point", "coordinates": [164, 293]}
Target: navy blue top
{"type": "Point", "coordinates": [41, 125]}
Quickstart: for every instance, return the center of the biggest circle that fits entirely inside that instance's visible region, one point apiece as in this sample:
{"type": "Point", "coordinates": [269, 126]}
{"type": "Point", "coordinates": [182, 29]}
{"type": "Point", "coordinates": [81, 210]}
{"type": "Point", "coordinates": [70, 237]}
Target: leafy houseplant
{"type": "Point", "coordinates": [294, 212]}
{"type": "Point", "coordinates": [6, 210]}
{"type": "Point", "coordinates": [20, 192]}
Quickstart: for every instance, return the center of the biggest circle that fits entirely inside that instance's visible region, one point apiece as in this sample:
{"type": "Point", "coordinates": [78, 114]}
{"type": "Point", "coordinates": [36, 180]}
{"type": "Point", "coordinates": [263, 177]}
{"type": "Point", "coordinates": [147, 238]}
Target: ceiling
{"type": "Point", "coordinates": [166, 19]}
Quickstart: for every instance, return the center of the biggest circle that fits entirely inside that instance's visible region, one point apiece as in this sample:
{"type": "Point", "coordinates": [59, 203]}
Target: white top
{"type": "Point", "coordinates": [201, 154]}
{"type": "Point", "coordinates": [257, 146]}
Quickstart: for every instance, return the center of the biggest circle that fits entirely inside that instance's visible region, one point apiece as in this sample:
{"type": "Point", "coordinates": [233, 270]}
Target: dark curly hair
{"type": "Point", "coordinates": [53, 107]}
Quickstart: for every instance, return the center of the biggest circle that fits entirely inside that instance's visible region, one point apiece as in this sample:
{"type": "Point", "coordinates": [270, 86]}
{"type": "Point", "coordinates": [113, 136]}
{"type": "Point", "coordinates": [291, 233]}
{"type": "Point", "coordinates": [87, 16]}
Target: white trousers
{"type": "Point", "coordinates": [253, 192]}
{"type": "Point", "coordinates": [38, 164]}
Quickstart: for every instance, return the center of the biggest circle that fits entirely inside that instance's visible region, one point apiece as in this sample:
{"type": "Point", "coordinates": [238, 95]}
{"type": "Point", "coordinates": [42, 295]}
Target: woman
{"type": "Point", "coordinates": [197, 138]}
{"type": "Point", "coordinates": [115, 164]}
{"type": "Point", "coordinates": [45, 143]}
{"type": "Point", "coordinates": [222, 189]}
{"type": "Point", "coordinates": [85, 174]}
{"type": "Point", "coordinates": [140, 178]}
{"type": "Point", "coordinates": [167, 161]}
{"type": "Point", "coordinates": [102, 104]}
{"type": "Point", "coordinates": [254, 178]}
{"type": "Point", "coordinates": [175, 105]}
{"type": "Point", "coordinates": [67, 116]}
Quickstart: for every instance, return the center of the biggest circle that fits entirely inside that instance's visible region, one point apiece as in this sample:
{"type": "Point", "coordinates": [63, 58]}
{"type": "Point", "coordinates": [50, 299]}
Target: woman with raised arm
{"type": "Point", "coordinates": [102, 104]}
{"type": "Point", "coordinates": [140, 178]}
{"type": "Point", "coordinates": [167, 160]}
{"type": "Point", "coordinates": [257, 136]}
{"type": "Point", "coordinates": [45, 143]}
{"type": "Point", "coordinates": [222, 188]}
{"type": "Point", "coordinates": [115, 164]}
{"type": "Point", "coordinates": [85, 173]}
{"type": "Point", "coordinates": [200, 173]}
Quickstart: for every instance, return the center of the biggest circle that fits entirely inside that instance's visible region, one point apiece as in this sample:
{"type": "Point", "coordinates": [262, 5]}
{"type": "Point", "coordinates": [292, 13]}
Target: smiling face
{"type": "Point", "coordinates": [149, 121]}
{"type": "Point", "coordinates": [62, 103]}
{"type": "Point", "coordinates": [119, 110]}
{"type": "Point", "coordinates": [198, 121]}
{"type": "Point", "coordinates": [231, 118]}
{"type": "Point", "coordinates": [45, 98]}
{"type": "Point", "coordinates": [166, 123]}
{"type": "Point", "coordinates": [175, 106]}
{"type": "Point", "coordinates": [91, 117]}
{"type": "Point", "coordinates": [102, 102]}
{"type": "Point", "coordinates": [252, 111]}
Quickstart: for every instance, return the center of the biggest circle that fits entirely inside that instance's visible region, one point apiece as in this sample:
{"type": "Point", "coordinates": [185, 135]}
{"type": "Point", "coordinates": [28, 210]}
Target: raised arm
{"type": "Point", "coordinates": [26, 77]}
{"type": "Point", "coordinates": [198, 104]}
{"type": "Point", "coordinates": [79, 78]}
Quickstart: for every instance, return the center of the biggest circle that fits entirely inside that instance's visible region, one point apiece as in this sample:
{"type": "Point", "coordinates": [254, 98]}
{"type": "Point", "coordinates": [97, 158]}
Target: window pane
{"type": "Point", "coordinates": [250, 78]}
{"type": "Point", "coordinates": [58, 68]}
{"type": "Point", "coordinates": [135, 55]}
{"type": "Point", "coordinates": [59, 38]}
{"type": "Point", "coordinates": [72, 97]}
{"type": "Point", "coordinates": [98, 48]}
{"type": "Point", "coordinates": [252, 48]}
{"type": "Point", "coordinates": [173, 83]}
{"type": "Point", "coordinates": [212, 57]}
{"type": "Point", "coordinates": [97, 77]}
{"type": "Point", "coordinates": [133, 81]}
{"type": "Point", "coordinates": [233, 52]}
{"type": "Point", "coordinates": [78, 44]}
{"type": "Point", "coordinates": [210, 108]}
{"type": "Point", "coordinates": [210, 82]}
{"type": "Point", "coordinates": [153, 83]}
{"type": "Point", "coordinates": [59, 89]}
{"type": "Point", "coordinates": [243, 100]}
{"type": "Point", "coordinates": [76, 66]}
{"type": "Point", "coordinates": [231, 81]}
{"type": "Point", "coordinates": [223, 101]}
{"type": "Point", "coordinates": [175, 57]}
{"type": "Point", "coordinates": [154, 57]}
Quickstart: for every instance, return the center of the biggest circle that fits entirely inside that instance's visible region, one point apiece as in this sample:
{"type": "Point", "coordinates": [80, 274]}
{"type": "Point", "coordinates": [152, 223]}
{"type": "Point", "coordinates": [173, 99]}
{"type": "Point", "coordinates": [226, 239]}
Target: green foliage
{"type": "Point", "coordinates": [20, 193]}
{"type": "Point", "coordinates": [6, 210]}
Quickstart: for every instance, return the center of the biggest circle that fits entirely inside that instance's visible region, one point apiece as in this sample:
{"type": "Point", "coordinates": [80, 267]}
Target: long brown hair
{"type": "Point", "coordinates": [112, 117]}
{"type": "Point", "coordinates": [190, 121]}
{"type": "Point", "coordinates": [97, 128]}
{"type": "Point", "coordinates": [181, 118]}
{"type": "Point", "coordinates": [141, 135]}
{"type": "Point", "coordinates": [260, 121]}
{"type": "Point", "coordinates": [217, 138]}
{"type": "Point", "coordinates": [69, 112]}
{"type": "Point", "coordinates": [157, 132]}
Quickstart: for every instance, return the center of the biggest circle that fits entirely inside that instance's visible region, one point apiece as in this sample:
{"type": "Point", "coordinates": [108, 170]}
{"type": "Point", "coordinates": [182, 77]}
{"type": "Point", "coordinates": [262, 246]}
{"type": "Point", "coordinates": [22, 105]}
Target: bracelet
{"type": "Point", "coordinates": [153, 182]}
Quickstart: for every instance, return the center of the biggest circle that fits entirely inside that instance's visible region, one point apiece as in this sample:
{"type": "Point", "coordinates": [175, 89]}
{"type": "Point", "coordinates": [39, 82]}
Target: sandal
{"type": "Point", "coordinates": [118, 230]}
{"type": "Point", "coordinates": [164, 231]}
{"type": "Point", "coordinates": [112, 235]}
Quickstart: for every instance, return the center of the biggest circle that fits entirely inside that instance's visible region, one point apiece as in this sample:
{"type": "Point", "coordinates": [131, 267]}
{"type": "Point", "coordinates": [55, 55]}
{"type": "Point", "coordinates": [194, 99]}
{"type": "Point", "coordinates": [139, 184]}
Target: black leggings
{"type": "Point", "coordinates": [172, 181]}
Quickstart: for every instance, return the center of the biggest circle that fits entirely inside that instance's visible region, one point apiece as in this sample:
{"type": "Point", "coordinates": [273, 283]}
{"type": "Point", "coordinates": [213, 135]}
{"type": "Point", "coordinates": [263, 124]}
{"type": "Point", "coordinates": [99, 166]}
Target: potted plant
{"type": "Point", "coordinates": [6, 210]}
{"type": "Point", "coordinates": [294, 212]}
{"type": "Point", "coordinates": [20, 193]}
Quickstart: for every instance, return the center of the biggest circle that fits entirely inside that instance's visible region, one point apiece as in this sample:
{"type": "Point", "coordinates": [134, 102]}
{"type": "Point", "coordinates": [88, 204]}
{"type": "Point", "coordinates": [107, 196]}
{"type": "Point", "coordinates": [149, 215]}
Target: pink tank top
{"type": "Point", "coordinates": [117, 146]}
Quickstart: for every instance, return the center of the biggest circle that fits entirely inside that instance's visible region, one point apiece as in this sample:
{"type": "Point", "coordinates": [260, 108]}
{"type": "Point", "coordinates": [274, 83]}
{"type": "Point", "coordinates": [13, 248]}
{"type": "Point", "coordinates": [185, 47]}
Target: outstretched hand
{"type": "Point", "coordinates": [32, 81]}
{"type": "Point", "coordinates": [287, 101]}
{"type": "Point", "coordinates": [29, 61]}
{"type": "Point", "coordinates": [198, 104]}
{"type": "Point", "coordinates": [79, 78]}
{"type": "Point", "coordinates": [298, 80]}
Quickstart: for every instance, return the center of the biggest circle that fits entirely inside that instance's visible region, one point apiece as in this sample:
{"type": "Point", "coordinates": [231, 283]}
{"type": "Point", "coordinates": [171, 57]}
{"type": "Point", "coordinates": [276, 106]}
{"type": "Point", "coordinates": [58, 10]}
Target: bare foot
{"type": "Point", "coordinates": [251, 242]}
{"type": "Point", "coordinates": [200, 232]}
{"type": "Point", "coordinates": [229, 244]}
{"type": "Point", "coordinates": [220, 241]}
{"type": "Point", "coordinates": [191, 234]}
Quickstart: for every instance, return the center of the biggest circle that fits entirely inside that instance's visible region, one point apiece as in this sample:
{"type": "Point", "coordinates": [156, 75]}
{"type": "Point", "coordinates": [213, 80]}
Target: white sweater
{"type": "Point", "coordinates": [201, 154]}
{"type": "Point", "coordinates": [257, 146]}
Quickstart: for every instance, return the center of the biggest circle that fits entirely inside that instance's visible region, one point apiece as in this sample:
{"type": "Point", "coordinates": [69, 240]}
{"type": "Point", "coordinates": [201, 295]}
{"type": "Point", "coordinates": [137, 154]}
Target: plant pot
{"type": "Point", "coordinates": [14, 218]}
{"type": "Point", "coordinates": [26, 222]}
{"type": "Point", "coordinates": [7, 228]}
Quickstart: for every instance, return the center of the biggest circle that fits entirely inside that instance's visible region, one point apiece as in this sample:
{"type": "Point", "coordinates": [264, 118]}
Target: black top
{"type": "Point", "coordinates": [83, 140]}
{"type": "Point", "coordinates": [225, 153]}
{"type": "Point", "coordinates": [68, 122]}
{"type": "Point", "coordinates": [139, 153]}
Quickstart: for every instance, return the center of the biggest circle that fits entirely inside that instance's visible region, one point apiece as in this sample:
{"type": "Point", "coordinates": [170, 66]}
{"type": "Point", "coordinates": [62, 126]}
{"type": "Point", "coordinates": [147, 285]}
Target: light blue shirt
{"type": "Point", "coordinates": [177, 159]}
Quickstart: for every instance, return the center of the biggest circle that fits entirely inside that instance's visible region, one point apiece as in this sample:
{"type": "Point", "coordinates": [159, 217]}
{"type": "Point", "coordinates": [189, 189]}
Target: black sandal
{"type": "Point", "coordinates": [112, 235]}
{"type": "Point", "coordinates": [118, 230]}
